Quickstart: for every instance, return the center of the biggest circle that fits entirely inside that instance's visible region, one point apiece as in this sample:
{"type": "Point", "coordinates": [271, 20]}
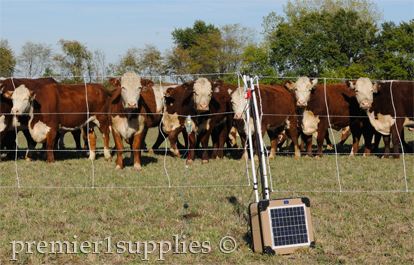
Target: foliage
{"type": "Point", "coordinates": [187, 37]}
{"type": "Point", "coordinates": [395, 58]}
{"type": "Point", "coordinates": [319, 41]}
{"type": "Point", "coordinates": [177, 63]}
{"type": "Point", "coordinates": [367, 10]}
{"type": "Point", "coordinates": [7, 59]}
{"type": "Point", "coordinates": [74, 61]}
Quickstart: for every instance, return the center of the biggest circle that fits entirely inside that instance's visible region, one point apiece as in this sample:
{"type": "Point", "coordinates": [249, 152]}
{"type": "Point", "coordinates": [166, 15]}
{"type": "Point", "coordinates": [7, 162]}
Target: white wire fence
{"type": "Point", "coordinates": [245, 181]}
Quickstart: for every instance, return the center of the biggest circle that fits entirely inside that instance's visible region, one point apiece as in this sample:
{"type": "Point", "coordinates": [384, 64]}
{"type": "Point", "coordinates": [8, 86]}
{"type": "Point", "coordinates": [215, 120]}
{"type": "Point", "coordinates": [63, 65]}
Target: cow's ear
{"type": "Point", "coordinates": [8, 94]}
{"type": "Point", "coordinates": [314, 82]}
{"type": "Point", "coordinates": [229, 91]}
{"type": "Point", "coordinates": [144, 88]}
{"type": "Point", "coordinates": [146, 83]}
{"type": "Point", "coordinates": [376, 87]}
{"type": "Point", "coordinates": [350, 85]}
{"type": "Point", "coordinates": [32, 95]}
{"type": "Point", "coordinates": [186, 86]}
{"type": "Point", "coordinates": [217, 85]}
{"type": "Point", "coordinates": [289, 85]}
{"type": "Point", "coordinates": [115, 82]}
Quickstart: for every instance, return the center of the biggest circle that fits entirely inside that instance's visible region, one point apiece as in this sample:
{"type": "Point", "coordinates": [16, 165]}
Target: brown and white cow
{"type": "Point", "coordinates": [208, 104]}
{"type": "Point", "coordinates": [279, 113]}
{"type": "Point", "coordinates": [60, 107]}
{"type": "Point", "coordinates": [343, 111]}
{"type": "Point", "coordinates": [303, 89]}
{"type": "Point", "coordinates": [132, 111]}
{"type": "Point", "coordinates": [7, 120]}
{"type": "Point", "coordinates": [389, 106]}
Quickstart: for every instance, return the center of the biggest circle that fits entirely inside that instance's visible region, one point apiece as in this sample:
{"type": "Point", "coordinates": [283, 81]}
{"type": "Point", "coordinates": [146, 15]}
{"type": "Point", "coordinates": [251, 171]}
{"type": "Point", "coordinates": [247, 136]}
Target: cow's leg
{"type": "Point", "coordinates": [274, 137]}
{"type": "Point", "coordinates": [346, 132]}
{"type": "Point", "coordinates": [204, 138]}
{"type": "Point", "coordinates": [85, 138]}
{"type": "Point", "coordinates": [92, 144]}
{"type": "Point", "coordinates": [377, 140]}
{"type": "Point", "coordinates": [356, 135]}
{"type": "Point", "coordinates": [191, 143]}
{"type": "Point", "coordinates": [136, 146]}
{"type": "Point", "coordinates": [50, 144]}
{"type": "Point", "coordinates": [31, 145]}
{"type": "Point", "coordinates": [395, 136]}
{"type": "Point", "coordinates": [294, 135]}
{"type": "Point", "coordinates": [104, 129]}
{"type": "Point", "coordinates": [407, 147]}
{"type": "Point", "coordinates": [320, 139]}
{"type": "Point", "coordinates": [215, 137]}
{"type": "Point", "coordinates": [387, 150]}
{"type": "Point", "coordinates": [119, 146]}
{"type": "Point", "coordinates": [172, 137]}
{"type": "Point", "coordinates": [9, 142]}
{"type": "Point", "coordinates": [61, 143]}
{"type": "Point", "coordinates": [76, 136]}
{"type": "Point", "coordinates": [159, 141]}
{"type": "Point", "coordinates": [329, 145]}
{"type": "Point", "coordinates": [368, 131]}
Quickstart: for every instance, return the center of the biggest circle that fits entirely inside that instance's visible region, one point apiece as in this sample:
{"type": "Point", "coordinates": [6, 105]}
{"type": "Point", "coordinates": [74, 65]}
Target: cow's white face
{"type": "Point", "coordinates": [303, 88]}
{"type": "Point", "coordinates": [364, 91]}
{"type": "Point", "coordinates": [159, 92]}
{"type": "Point", "coordinates": [131, 90]}
{"type": "Point", "coordinates": [310, 123]}
{"type": "Point", "coordinates": [22, 98]}
{"type": "Point", "coordinates": [238, 102]}
{"type": "Point", "coordinates": [202, 94]}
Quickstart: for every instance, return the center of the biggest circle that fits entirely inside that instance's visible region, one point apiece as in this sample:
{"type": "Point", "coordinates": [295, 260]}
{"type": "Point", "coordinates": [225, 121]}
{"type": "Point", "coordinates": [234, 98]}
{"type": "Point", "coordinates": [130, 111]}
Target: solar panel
{"type": "Point", "coordinates": [289, 226]}
{"type": "Point", "coordinates": [281, 226]}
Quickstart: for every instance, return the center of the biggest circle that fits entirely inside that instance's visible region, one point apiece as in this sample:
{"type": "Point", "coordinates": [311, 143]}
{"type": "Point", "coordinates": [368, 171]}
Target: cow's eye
{"type": "Point", "coordinates": [356, 91]}
{"type": "Point", "coordinates": [123, 88]}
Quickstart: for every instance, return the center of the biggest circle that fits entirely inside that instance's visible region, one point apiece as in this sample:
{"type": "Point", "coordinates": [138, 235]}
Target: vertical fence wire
{"type": "Point", "coordinates": [333, 136]}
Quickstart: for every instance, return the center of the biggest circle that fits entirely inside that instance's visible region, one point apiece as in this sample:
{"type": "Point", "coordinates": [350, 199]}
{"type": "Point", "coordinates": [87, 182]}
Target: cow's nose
{"type": "Point", "coordinates": [238, 116]}
{"type": "Point", "coordinates": [132, 104]}
{"type": "Point", "coordinates": [365, 105]}
{"type": "Point", "coordinates": [302, 103]}
{"type": "Point", "coordinates": [14, 111]}
{"type": "Point", "coordinates": [203, 106]}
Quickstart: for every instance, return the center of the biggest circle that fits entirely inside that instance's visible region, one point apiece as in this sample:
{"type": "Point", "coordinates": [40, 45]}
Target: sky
{"type": "Point", "coordinates": [114, 26]}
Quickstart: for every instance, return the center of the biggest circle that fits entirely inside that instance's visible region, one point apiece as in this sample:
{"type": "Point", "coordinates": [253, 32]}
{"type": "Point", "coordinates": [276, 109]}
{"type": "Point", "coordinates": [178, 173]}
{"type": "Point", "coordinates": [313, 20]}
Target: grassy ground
{"type": "Point", "coordinates": [371, 227]}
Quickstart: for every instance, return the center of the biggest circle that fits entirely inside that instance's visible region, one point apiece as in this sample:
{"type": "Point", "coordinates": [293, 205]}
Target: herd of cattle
{"type": "Point", "coordinates": [41, 108]}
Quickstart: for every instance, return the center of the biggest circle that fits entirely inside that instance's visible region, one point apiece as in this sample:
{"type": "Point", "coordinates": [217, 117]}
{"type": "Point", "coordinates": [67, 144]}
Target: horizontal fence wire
{"type": "Point", "coordinates": [202, 149]}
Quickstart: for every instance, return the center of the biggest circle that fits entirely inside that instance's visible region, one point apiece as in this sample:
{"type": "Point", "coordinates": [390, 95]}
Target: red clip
{"type": "Point", "coordinates": [249, 94]}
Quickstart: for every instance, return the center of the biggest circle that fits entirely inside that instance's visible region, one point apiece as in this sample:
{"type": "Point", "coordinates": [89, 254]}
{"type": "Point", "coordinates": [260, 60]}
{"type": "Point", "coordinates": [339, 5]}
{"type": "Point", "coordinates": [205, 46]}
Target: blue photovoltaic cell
{"type": "Point", "coordinates": [289, 226]}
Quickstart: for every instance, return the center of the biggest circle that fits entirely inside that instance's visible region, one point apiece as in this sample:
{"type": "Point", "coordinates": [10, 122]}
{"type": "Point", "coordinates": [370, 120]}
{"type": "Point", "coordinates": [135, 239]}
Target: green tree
{"type": "Point", "coordinates": [75, 61]}
{"type": "Point", "coordinates": [395, 48]}
{"type": "Point", "coordinates": [367, 10]}
{"type": "Point", "coordinates": [150, 60]}
{"type": "Point", "coordinates": [7, 59]}
{"type": "Point", "coordinates": [127, 62]}
{"type": "Point", "coordinates": [256, 61]}
{"type": "Point", "coordinates": [319, 41]}
{"type": "Point", "coordinates": [187, 37]}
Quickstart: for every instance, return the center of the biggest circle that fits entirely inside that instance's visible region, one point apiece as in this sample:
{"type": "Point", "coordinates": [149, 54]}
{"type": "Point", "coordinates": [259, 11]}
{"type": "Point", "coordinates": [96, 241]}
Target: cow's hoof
{"type": "Point", "coordinates": [50, 161]}
{"type": "Point", "coordinates": [272, 157]}
{"type": "Point", "coordinates": [118, 168]}
{"type": "Point", "coordinates": [297, 157]}
{"type": "Point", "coordinates": [28, 159]}
{"type": "Point", "coordinates": [204, 161]}
{"type": "Point", "coordinates": [137, 167]}
{"type": "Point", "coordinates": [190, 162]}
{"type": "Point", "coordinates": [109, 159]}
{"type": "Point", "coordinates": [317, 157]}
{"type": "Point", "coordinates": [329, 147]}
{"type": "Point", "coordinates": [175, 152]}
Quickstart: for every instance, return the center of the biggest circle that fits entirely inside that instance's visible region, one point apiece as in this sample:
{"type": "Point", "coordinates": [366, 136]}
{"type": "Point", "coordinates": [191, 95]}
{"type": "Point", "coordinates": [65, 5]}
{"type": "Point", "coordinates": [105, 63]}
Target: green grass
{"type": "Point", "coordinates": [372, 226]}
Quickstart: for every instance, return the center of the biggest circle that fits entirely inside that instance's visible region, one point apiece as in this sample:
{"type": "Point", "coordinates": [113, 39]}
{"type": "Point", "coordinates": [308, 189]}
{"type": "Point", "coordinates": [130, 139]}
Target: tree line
{"type": "Point", "coordinates": [315, 38]}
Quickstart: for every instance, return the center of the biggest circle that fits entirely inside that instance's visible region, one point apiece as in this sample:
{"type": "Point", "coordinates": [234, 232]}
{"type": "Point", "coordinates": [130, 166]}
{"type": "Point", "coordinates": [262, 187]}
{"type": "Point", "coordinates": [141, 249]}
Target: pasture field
{"type": "Point", "coordinates": [56, 203]}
